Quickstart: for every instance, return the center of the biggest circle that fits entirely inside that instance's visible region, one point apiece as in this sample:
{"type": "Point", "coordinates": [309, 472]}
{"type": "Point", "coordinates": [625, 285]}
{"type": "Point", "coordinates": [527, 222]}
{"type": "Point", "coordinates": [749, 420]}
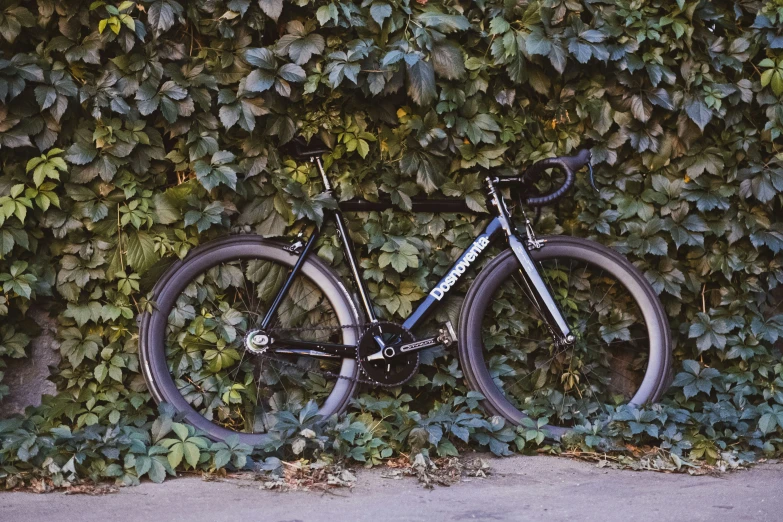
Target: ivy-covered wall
{"type": "Point", "coordinates": [131, 132]}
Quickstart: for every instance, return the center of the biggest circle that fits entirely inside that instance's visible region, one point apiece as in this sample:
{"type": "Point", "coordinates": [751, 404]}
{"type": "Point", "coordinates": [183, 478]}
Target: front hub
{"type": "Point", "coordinates": [257, 341]}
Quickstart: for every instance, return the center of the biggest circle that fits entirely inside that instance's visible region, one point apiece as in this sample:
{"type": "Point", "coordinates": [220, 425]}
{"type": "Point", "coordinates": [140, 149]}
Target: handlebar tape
{"type": "Point", "coordinates": [569, 164]}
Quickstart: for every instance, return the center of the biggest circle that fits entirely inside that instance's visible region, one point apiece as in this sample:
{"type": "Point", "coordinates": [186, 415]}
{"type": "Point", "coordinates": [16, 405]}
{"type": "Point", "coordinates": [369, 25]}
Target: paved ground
{"type": "Point", "coordinates": [521, 488]}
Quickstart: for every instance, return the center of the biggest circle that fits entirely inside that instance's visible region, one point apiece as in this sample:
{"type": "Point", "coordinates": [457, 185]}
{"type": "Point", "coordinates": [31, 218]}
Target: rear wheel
{"type": "Point", "coordinates": [622, 351]}
{"type": "Point", "coordinates": [193, 345]}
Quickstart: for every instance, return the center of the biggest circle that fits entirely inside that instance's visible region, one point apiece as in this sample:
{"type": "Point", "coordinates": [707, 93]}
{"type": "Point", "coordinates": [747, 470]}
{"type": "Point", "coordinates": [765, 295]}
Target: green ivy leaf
{"type": "Point", "coordinates": [767, 423]}
{"type": "Point", "coordinates": [709, 332]}
{"type": "Point", "coordinates": [176, 453]}
{"type": "Point", "coordinates": [698, 111]}
{"type": "Point", "coordinates": [302, 49]}
{"type": "Point", "coordinates": [421, 82]}
{"type": "Point", "coordinates": [328, 12]}
{"type": "Point", "coordinates": [210, 215]}
{"type": "Point", "coordinates": [400, 258]}
{"type": "Point", "coordinates": [443, 22]}
{"type": "Point", "coordinates": [379, 11]}
{"type": "Point", "coordinates": [447, 61]}
{"type": "Point", "coordinates": [141, 251]}
{"type": "Point", "coordinates": [259, 81]}
{"type": "Point", "coordinates": [271, 8]}
{"type": "Point", "coordinates": [81, 153]}
{"type": "Point", "coordinates": [219, 171]}
{"type": "Point", "coordinates": [162, 15]}
{"type": "Point", "coordinates": [292, 73]}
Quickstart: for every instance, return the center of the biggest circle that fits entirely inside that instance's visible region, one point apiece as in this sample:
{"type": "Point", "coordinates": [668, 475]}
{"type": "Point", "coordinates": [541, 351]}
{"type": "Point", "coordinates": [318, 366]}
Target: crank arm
{"type": "Point", "coordinates": [391, 351]}
{"type": "Point", "coordinates": [419, 345]}
{"type": "Point", "coordinates": [446, 336]}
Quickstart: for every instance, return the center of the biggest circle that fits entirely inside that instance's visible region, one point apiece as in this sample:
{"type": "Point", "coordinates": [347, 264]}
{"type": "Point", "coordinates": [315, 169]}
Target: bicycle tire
{"type": "Point", "coordinates": [153, 325]}
{"type": "Point", "coordinates": [471, 344]}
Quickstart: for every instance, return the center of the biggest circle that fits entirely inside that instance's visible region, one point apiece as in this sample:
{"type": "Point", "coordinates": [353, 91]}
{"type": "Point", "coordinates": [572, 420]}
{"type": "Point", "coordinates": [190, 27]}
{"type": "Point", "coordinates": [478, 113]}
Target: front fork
{"type": "Point", "coordinates": [542, 298]}
{"type": "Point", "coordinates": [539, 293]}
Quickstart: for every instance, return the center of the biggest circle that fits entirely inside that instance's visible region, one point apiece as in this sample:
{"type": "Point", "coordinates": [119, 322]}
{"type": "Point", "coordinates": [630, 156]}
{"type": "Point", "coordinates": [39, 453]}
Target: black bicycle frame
{"type": "Point", "coordinates": [498, 225]}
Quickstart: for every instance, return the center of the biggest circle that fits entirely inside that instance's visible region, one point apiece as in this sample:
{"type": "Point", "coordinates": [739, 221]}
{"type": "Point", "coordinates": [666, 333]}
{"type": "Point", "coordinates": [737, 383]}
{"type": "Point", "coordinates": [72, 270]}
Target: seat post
{"type": "Point", "coordinates": [317, 161]}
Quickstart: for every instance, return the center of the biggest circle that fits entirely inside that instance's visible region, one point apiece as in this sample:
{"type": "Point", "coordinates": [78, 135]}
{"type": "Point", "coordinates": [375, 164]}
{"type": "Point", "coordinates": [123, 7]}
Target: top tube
{"type": "Point", "coordinates": [418, 205]}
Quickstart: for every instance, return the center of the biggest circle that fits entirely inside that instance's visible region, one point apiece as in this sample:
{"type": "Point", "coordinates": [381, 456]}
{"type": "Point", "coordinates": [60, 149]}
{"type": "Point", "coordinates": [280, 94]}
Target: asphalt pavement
{"type": "Point", "coordinates": [519, 488]}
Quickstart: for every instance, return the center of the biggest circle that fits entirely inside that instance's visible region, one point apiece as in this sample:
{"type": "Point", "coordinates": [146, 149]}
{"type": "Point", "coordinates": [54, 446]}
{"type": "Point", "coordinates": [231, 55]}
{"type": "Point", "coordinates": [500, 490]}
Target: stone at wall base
{"type": "Point", "coordinates": [27, 378]}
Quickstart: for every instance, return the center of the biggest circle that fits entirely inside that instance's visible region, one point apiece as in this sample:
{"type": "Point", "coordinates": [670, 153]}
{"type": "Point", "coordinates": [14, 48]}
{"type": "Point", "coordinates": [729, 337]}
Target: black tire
{"type": "Point", "coordinates": [498, 273]}
{"type": "Point", "coordinates": [154, 325]}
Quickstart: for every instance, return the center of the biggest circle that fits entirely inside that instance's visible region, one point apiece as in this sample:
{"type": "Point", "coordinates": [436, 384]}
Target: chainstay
{"type": "Point", "coordinates": [359, 327]}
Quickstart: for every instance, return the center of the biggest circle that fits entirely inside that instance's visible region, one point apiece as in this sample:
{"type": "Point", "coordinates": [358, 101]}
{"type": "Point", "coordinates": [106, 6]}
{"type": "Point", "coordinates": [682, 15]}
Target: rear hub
{"type": "Point", "coordinates": [257, 341]}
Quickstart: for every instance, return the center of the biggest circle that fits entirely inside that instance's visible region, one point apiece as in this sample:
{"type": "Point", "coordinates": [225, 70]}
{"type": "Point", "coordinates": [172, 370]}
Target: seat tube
{"type": "Point", "coordinates": [350, 255]}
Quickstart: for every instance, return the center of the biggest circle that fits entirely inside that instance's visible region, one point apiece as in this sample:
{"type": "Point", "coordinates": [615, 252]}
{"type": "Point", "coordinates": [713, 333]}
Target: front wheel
{"type": "Point", "coordinates": [622, 351]}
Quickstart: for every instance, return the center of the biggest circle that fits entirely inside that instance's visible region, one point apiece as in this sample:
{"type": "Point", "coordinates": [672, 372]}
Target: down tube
{"type": "Point", "coordinates": [468, 257]}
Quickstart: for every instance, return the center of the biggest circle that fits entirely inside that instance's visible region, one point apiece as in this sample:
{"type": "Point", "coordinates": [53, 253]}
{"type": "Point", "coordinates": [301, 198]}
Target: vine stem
{"type": "Point", "coordinates": [703, 299]}
{"type": "Point", "coordinates": [119, 239]}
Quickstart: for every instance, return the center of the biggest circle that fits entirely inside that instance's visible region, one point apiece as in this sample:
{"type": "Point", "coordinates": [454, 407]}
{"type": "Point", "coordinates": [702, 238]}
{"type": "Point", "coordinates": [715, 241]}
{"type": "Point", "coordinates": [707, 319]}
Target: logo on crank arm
{"type": "Point", "coordinates": [462, 265]}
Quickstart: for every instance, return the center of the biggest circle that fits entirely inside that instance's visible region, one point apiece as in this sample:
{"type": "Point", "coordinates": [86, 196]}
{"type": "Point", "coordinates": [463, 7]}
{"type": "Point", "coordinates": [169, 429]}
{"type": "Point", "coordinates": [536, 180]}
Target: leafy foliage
{"type": "Point", "coordinates": [132, 132]}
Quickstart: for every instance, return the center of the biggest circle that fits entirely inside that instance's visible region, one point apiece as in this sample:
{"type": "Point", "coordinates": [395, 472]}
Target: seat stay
{"type": "Point", "coordinates": [290, 279]}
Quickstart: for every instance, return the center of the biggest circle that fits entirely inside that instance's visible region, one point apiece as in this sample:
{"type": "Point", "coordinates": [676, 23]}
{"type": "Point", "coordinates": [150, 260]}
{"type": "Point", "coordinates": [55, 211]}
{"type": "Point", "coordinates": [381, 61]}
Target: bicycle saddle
{"type": "Point", "coordinates": [303, 149]}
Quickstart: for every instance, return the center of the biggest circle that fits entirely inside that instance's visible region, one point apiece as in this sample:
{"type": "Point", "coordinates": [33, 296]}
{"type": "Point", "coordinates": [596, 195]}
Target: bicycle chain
{"type": "Point", "coordinates": [363, 327]}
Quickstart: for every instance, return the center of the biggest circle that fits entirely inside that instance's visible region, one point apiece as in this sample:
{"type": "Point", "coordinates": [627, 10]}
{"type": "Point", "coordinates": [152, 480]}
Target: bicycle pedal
{"type": "Point", "coordinates": [446, 334]}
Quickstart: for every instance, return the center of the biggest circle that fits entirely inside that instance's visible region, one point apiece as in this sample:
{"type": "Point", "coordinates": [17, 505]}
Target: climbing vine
{"type": "Point", "coordinates": [132, 132]}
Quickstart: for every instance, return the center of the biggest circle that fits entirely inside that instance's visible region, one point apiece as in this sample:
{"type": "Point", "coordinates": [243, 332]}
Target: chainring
{"type": "Point", "coordinates": [392, 372]}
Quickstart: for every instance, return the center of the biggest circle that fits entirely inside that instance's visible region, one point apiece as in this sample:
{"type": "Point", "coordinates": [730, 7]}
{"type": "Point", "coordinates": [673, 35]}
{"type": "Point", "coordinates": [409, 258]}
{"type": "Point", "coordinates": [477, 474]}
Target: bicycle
{"type": "Point", "coordinates": [244, 326]}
